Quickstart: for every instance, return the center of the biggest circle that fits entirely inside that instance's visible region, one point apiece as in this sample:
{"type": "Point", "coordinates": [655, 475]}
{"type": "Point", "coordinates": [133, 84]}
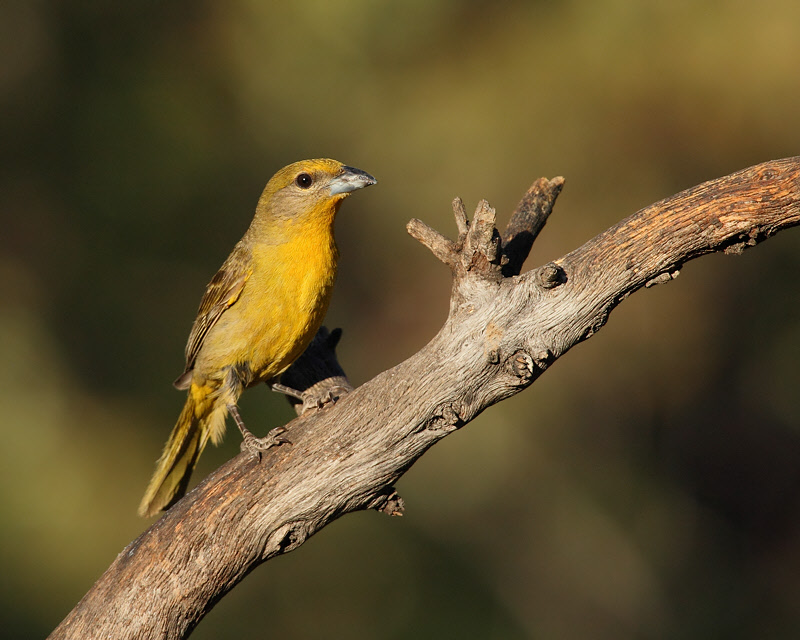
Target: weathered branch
{"type": "Point", "coordinates": [527, 222]}
{"type": "Point", "coordinates": [440, 246]}
{"type": "Point", "coordinates": [501, 334]}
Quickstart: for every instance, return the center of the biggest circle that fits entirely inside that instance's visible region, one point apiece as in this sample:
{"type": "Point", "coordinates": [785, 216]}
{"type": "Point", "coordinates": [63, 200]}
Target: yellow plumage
{"type": "Point", "coordinates": [259, 312]}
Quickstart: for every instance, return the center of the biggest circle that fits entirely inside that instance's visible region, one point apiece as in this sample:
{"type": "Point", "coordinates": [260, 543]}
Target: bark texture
{"type": "Point", "coordinates": [503, 331]}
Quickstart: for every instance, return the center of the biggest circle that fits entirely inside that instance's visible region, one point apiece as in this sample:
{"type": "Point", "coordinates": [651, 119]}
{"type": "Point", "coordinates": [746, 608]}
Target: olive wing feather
{"type": "Point", "coordinates": [221, 293]}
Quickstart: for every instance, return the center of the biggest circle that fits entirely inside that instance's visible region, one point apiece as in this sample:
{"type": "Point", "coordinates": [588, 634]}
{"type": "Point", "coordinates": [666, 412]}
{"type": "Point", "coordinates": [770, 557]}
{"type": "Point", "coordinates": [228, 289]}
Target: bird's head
{"type": "Point", "coordinates": [310, 188]}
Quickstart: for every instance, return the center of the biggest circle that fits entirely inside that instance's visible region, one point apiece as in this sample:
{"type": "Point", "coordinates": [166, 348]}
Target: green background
{"type": "Point", "coordinates": [647, 487]}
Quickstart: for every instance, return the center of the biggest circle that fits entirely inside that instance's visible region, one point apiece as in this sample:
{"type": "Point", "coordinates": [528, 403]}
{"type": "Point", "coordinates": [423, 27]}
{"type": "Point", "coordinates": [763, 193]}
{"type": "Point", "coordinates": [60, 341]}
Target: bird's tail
{"type": "Point", "coordinates": [203, 416]}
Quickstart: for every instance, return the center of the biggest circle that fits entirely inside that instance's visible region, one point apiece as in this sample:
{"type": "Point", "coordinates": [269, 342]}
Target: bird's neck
{"type": "Point", "coordinates": [273, 228]}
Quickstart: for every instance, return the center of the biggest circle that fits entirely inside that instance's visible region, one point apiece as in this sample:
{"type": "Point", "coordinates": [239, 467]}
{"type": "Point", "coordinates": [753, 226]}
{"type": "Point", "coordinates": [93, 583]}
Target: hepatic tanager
{"type": "Point", "coordinates": [259, 312]}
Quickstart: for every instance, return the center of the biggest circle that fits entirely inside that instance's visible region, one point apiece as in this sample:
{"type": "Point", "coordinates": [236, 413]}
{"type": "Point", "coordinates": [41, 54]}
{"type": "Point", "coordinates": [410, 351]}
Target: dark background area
{"type": "Point", "coordinates": [647, 487]}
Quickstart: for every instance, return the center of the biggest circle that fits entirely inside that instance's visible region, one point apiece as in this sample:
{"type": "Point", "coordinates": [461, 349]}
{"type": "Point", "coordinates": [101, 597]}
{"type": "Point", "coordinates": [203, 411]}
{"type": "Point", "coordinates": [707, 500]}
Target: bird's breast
{"type": "Point", "coordinates": [282, 304]}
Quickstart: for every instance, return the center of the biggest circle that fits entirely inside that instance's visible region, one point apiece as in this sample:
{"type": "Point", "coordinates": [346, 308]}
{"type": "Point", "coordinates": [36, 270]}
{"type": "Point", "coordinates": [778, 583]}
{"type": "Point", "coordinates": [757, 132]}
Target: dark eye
{"type": "Point", "coordinates": [303, 181]}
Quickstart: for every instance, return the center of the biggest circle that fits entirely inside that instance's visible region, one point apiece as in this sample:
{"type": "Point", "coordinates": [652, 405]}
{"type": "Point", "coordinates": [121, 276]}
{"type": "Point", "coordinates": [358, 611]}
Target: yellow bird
{"type": "Point", "coordinates": [259, 312]}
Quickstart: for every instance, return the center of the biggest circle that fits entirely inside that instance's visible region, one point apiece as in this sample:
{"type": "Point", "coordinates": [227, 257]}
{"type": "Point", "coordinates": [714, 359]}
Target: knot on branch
{"type": "Point", "coordinates": [543, 358]}
{"type": "Point", "coordinates": [286, 538]}
{"type": "Point", "coordinates": [444, 418]}
{"type": "Point", "coordinates": [525, 367]}
{"type": "Point", "coordinates": [550, 276]}
{"type": "Point", "coordinates": [522, 366]}
{"type": "Point", "coordinates": [388, 502]}
{"type": "Point", "coordinates": [662, 278]}
{"type": "Point", "coordinates": [745, 241]}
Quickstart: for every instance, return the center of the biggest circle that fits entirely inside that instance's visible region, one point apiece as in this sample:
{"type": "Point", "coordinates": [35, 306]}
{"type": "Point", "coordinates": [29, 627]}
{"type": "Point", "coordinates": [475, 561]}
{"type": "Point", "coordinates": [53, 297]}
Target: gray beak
{"type": "Point", "coordinates": [350, 180]}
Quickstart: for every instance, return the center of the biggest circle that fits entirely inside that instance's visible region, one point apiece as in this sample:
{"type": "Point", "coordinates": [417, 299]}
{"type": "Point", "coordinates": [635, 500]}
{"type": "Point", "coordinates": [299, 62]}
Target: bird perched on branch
{"type": "Point", "coordinates": [258, 314]}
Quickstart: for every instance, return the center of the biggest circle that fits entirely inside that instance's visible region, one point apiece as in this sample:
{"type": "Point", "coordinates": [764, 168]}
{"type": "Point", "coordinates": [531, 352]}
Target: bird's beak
{"type": "Point", "coordinates": [349, 180]}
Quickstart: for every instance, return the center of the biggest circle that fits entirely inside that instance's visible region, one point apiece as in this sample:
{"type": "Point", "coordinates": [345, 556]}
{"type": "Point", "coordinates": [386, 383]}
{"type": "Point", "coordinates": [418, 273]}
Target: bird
{"type": "Point", "coordinates": [258, 314]}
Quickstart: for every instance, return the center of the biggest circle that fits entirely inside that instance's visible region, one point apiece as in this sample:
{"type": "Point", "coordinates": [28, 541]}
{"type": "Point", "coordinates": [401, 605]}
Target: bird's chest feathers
{"type": "Point", "coordinates": [287, 296]}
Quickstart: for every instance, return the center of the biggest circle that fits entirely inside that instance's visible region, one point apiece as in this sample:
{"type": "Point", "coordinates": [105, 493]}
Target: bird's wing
{"type": "Point", "coordinates": [221, 293]}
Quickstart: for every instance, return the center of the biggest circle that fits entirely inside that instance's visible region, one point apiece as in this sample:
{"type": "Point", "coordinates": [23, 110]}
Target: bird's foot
{"type": "Point", "coordinates": [314, 397]}
{"type": "Point", "coordinates": [256, 446]}
{"type": "Point", "coordinates": [328, 396]}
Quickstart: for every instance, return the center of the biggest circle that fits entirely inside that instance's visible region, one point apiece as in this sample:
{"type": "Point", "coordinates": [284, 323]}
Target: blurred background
{"type": "Point", "coordinates": [647, 487]}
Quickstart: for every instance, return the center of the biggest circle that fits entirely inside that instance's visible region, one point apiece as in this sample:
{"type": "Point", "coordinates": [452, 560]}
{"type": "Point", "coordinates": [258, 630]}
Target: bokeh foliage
{"type": "Point", "coordinates": [647, 487]}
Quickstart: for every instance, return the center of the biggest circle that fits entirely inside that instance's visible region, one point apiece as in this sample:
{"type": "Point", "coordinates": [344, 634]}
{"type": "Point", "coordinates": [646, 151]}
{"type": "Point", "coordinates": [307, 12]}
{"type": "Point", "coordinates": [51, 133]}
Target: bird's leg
{"type": "Point", "coordinates": [277, 387]}
{"type": "Point", "coordinates": [311, 398]}
{"type": "Point", "coordinates": [250, 443]}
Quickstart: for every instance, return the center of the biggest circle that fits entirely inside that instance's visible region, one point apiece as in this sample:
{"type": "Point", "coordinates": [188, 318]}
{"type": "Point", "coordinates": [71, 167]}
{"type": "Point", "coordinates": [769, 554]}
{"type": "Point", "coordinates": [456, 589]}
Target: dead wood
{"type": "Point", "coordinates": [503, 331]}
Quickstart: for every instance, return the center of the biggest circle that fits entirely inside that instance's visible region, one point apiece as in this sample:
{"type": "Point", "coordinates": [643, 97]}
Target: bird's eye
{"type": "Point", "coordinates": [303, 181]}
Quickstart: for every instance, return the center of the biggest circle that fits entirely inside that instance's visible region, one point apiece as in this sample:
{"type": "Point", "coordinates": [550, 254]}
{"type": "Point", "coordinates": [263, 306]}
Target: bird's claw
{"type": "Point", "coordinates": [327, 397]}
{"type": "Point", "coordinates": [257, 446]}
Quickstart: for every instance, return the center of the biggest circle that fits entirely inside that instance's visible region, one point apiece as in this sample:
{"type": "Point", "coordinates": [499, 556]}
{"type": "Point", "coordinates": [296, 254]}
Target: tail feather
{"type": "Point", "coordinates": [185, 444]}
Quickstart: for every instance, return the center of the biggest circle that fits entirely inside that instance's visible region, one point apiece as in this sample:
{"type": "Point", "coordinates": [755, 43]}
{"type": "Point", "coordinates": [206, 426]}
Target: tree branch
{"type": "Point", "coordinates": [501, 334]}
{"type": "Point", "coordinates": [527, 221]}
